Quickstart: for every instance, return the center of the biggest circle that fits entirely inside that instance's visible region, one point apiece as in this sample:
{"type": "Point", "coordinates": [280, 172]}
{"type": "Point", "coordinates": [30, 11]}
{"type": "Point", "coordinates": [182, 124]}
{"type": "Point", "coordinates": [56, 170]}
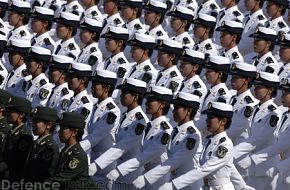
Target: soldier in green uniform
{"type": "Point", "coordinates": [44, 153]}
{"type": "Point", "coordinates": [72, 167]}
{"type": "Point", "coordinates": [5, 97]}
{"type": "Point", "coordinates": [19, 139]}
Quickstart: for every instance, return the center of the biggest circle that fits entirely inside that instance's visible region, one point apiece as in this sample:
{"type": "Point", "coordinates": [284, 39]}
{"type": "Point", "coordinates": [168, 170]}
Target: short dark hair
{"type": "Point", "coordinates": [80, 133]}
{"type": "Point", "coordinates": [25, 19]}
{"type": "Point", "coordinates": [110, 87]}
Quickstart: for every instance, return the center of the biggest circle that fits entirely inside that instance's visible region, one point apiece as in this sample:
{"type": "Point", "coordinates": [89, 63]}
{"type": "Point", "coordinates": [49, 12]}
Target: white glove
{"type": "Point", "coordinates": [139, 183]}
{"type": "Point", "coordinates": [113, 175]}
{"type": "Point", "coordinates": [92, 169]}
{"type": "Point", "coordinates": [166, 186]}
{"type": "Point", "coordinates": [245, 162]}
{"type": "Point", "coordinates": [248, 188]}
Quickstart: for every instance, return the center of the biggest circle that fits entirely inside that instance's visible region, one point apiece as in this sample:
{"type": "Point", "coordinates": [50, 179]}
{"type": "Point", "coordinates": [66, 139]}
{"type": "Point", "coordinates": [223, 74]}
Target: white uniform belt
{"type": "Point", "coordinates": [219, 181]}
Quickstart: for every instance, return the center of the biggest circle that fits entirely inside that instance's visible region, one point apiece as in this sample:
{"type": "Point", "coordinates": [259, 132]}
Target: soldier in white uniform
{"type": "Point", "coordinates": [66, 30]}
{"type": "Point", "coordinates": [191, 4]}
{"type": "Point", "coordinates": [78, 81]}
{"type": "Point", "coordinates": [142, 46]}
{"type": "Point", "coordinates": [104, 122]}
{"type": "Point", "coordinates": [157, 136]}
{"type": "Point", "coordinates": [3, 70]}
{"type": "Point", "coordinates": [186, 146]}
{"type": "Point", "coordinates": [170, 76]}
{"type": "Point", "coordinates": [251, 21]}
{"type": "Point", "coordinates": [38, 89]}
{"type": "Point", "coordinates": [115, 40]}
{"type": "Point", "coordinates": [72, 6]}
{"type": "Point", "coordinates": [90, 35]}
{"type": "Point", "coordinates": [216, 74]}
{"type": "Point", "coordinates": [42, 19]}
{"type": "Point", "coordinates": [230, 36]}
{"type": "Point", "coordinates": [61, 95]}
{"type": "Point", "coordinates": [276, 10]}
{"type": "Point", "coordinates": [216, 158]}
{"type": "Point", "coordinates": [284, 43]}
{"type": "Point", "coordinates": [264, 43]}
{"type": "Point", "coordinates": [181, 18]}
{"type": "Point", "coordinates": [17, 49]}
{"type": "Point", "coordinates": [130, 134]}
{"type": "Point", "coordinates": [18, 18]}
{"type": "Point", "coordinates": [209, 7]}
{"type": "Point", "coordinates": [4, 29]}
{"type": "Point", "coordinates": [92, 11]}
{"type": "Point", "coordinates": [190, 68]}
{"type": "Point", "coordinates": [281, 147]}
{"type": "Point", "coordinates": [203, 30]}
{"type": "Point", "coordinates": [263, 130]}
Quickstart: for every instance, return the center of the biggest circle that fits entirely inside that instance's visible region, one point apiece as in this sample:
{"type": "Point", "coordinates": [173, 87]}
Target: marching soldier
{"type": "Point", "coordinates": [284, 43]}
{"type": "Point", "coordinates": [92, 11]}
{"type": "Point", "coordinates": [66, 30]}
{"type": "Point", "coordinates": [60, 95]}
{"type": "Point", "coordinates": [4, 30]}
{"type": "Point", "coordinates": [44, 152]}
{"type": "Point", "coordinates": [90, 35]}
{"type": "Point", "coordinates": [3, 69]}
{"type": "Point", "coordinates": [209, 7]}
{"type": "Point", "coordinates": [72, 6]}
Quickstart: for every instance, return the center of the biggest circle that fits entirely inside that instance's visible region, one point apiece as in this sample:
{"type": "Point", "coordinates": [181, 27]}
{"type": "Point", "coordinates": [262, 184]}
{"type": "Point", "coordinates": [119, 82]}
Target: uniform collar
{"type": "Point", "coordinates": [16, 30]}
{"type": "Point", "coordinates": [183, 128]}
{"type": "Point", "coordinates": [181, 36]}
{"type": "Point", "coordinates": [265, 105]}
{"type": "Point", "coordinates": [146, 62]}
{"type": "Point", "coordinates": [16, 128]}
{"type": "Point", "coordinates": [19, 69]}
{"type": "Point", "coordinates": [208, 3]}
{"type": "Point", "coordinates": [268, 54]}
{"type": "Point", "coordinates": [241, 97]}
{"type": "Point", "coordinates": [154, 30]}
{"type": "Point", "coordinates": [276, 20]}
{"type": "Point", "coordinates": [131, 114]}
{"type": "Point", "coordinates": [39, 140]}
{"type": "Point", "coordinates": [42, 36]}
{"type": "Point", "coordinates": [132, 23]}
{"type": "Point", "coordinates": [67, 42]}
{"type": "Point", "coordinates": [257, 13]}
{"type": "Point", "coordinates": [103, 103]}
{"type": "Point", "coordinates": [215, 88]}
{"type": "Point", "coordinates": [38, 78]}
{"type": "Point", "coordinates": [231, 9]}
{"type": "Point", "coordinates": [156, 122]}
{"type": "Point", "coordinates": [204, 42]}
{"type": "Point", "coordinates": [115, 58]}
{"type": "Point", "coordinates": [92, 8]}
{"type": "Point", "coordinates": [81, 94]}
{"type": "Point", "coordinates": [229, 52]}
{"type": "Point", "coordinates": [112, 17]}
{"type": "Point", "coordinates": [60, 87]}
{"type": "Point", "coordinates": [169, 70]}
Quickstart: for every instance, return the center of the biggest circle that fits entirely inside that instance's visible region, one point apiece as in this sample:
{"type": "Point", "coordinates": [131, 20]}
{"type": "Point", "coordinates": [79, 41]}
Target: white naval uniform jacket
{"type": "Point", "coordinates": [101, 133]}
{"type": "Point", "coordinates": [215, 165]}
{"type": "Point", "coordinates": [3, 75]}
{"type": "Point", "coordinates": [266, 63]}
{"type": "Point", "coordinates": [242, 117]}
{"type": "Point", "coordinates": [170, 78]}
{"type": "Point", "coordinates": [183, 155]}
{"type": "Point", "coordinates": [233, 54]}
{"type": "Point", "coordinates": [209, 7]}
{"type": "Point", "coordinates": [129, 141]}
{"type": "Point", "coordinates": [184, 39]}
{"type": "Point", "coordinates": [94, 13]}
{"type": "Point", "coordinates": [73, 7]}
{"type": "Point", "coordinates": [68, 48]}
{"type": "Point", "coordinates": [15, 81]}
{"type": "Point", "coordinates": [206, 46]}
{"type": "Point", "coordinates": [154, 149]}
{"type": "Point", "coordinates": [262, 134]}
{"type": "Point", "coordinates": [92, 55]}
{"type": "Point", "coordinates": [284, 71]}
{"type": "Point", "coordinates": [60, 98]}
{"type": "Point", "coordinates": [277, 24]}
{"type": "Point", "coordinates": [21, 32]}
{"type": "Point", "coordinates": [38, 90]}
{"type": "Point", "coordinates": [44, 40]}
{"type": "Point", "coordinates": [81, 103]}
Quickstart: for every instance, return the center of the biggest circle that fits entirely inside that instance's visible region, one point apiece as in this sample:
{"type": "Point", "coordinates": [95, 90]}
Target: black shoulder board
{"type": "Point", "coordinates": [137, 26]}
{"type": "Point", "coordinates": [248, 111]}
{"type": "Point", "coordinates": [236, 13]}
{"type": "Point", "coordinates": [165, 139]}
{"type": "Point", "coordinates": [208, 47]}
{"type": "Point", "coordinates": [164, 125]}
{"type": "Point", "coordinates": [117, 21]}
{"type": "Point", "coordinates": [22, 33]}
{"type": "Point", "coordinates": [248, 99]}
{"type": "Point", "coordinates": [85, 100]}
{"type": "Point", "coordinates": [75, 7]}
{"type": "Point", "coordinates": [93, 49]}
{"type": "Point", "coordinates": [47, 41]}
{"type": "Point", "coordinates": [223, 139]}
{"type": "Point", "coordinates": [111, 118]}
{"type": "Point", "coordinates": [213, 6]}
{"type": "Point", "coordinates": [121, 60]}
{"type": "Point", "coordinates": [139, 128]}
{"type": "Point", "coordinates": [159, 33]}
{"type": "Point", "coordinates": [147, 68]}
{"type": "Point", "coordinates": [271, 107]}
{"type": "Point", "coordinates": [85, 112]}
{"type": "Point", "coordinates": [190, 143]}
{"type": "Point", "coordinates": [197, 92]}
{"type": "Point", "coordinates": [71, 55]}
{"type": "Point", "coordinates": [94, 13]}
{"type": "Point", "coordinates": [71, 46]}
{"type": "Point", "coordinates": [235, 55]}
{"type": "Point", "coordinates": [139, 116]}
{"type": "Point", "coordinates": [196, 84]}
{"type": "Point", "coordinates": [110, 105]}
{"type": "Point", "coordinates": [220, 99]}
{"type": "Point", "coordinates": [269, 60]}
{"type": "Point", "coordinates": [24, 73]}
{"type": "Point", "coordinates": [42, 82]}
{"type": "Point", "coordinates": [173, 86]}
{"type": "Point", "coordinates": [269, 69]}
{"type": "Point", "coordinates": [191, 130]}
{"type": "Point", "coordinates": [173, 74]}
{"type": "Point", "coordinates": [214, 13]}
{"type": "Point", "coordinates": [146, 77]}
{"type": "Point", "coordinates": [274, 120]}
{"type": "Point", "coordinates": [64, 91]}
{"type": "Point", "coordinates": [221, 91]}
{"type": "Point", "coordinates": [121, 72]}
{"type": "Point", "coordinates": [261, 17]}
{"type": "Point", "coordinates": [1, 79]}
{"type": "Point", "coordinates": [185, 40]}
{"type": "Point", "coordinates": [92, 60]}
{"type": "Point", "coordinates": [281, 24]}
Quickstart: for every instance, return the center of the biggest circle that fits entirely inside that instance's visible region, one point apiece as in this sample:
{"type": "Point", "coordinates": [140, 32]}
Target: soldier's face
{"type": "Point", "coordinates": [74, 82]}
{"type": "Point", "coordinates": [62, 31]}
{"type": "Point", "coordinates": [250, 4]}
{"type": "Point", "coordinates": [87, 3]}
{"type": "Point", "coordinates": [13, 18]}
{"type": "Point", "coordinates": [150, 17]}
{"type": "Point", "coordinates": [111, 45]}
{"type": "Point", "coordinates": [186, 68]}
{"type": "Point", "coordinates": [32, 66]}
{"type": "Point", "coordinates": [86, 36]}
{"type": "Point", "coordinates": [226, 3]}
{"type": "Point", "coordinates": [127, 98]}
{"type": "Point", "coordinates": [12, 116]}
{"type": "Point", "coordinates": [179, 113]}
{"type": "Point", "coordinates": [54, 75]}
{"type": "Point", "coordinates": [109, 6]}
{"type": "Point", "coordinates": [260, 45]}
{"type": "Point", "coordinates": [272, 8]}
{"type": "Point", "coordinates": [14, 59]}
{"type": "Point", "coordinates": [98, 90]}
{"type": "Point", "coordinates": [136, 53]}
{"type": "Point", "coordinates": [176, 24]}
{"type": "Point", "coordinates": [199, 31]}
{"type": "Point", "coordinates": [163, 58]}
{"type": "Point", "coordinates": [38, 127]}
{"type": "Point", "coordinates": [226, 39]}
{"type": "Point", "coordinates": [213, 123]}
{"type": "Point", "coordinates": [36, 25]}
{"type": "Point", "coordinates": [65, 134]}
{"type": "Point", "coordinates": [261, 92]}
{"type": "Point", "coordinates": [286, 99]}
{"type": "Point", "coordinates": [127, 13]}
{"type": "Point", "coordinates": [237, 82]}
{"type": "Point", "coordinates": [284, 53]}
{"type": "Point", "coordinates": [153, 106]}
{"type": "Point", "coordinates": [211, 76]}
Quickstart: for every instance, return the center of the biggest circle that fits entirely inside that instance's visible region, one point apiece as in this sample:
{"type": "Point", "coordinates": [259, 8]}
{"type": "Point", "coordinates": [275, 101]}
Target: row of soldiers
{"type": "Point", "coordinates": [126, 55]}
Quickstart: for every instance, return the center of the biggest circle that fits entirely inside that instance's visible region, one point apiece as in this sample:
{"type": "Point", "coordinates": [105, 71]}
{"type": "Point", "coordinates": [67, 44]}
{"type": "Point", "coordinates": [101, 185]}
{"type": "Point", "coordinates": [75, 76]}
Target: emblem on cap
{"type": "Point", "coordinates": [209, 105]}
{"type": "Point", "coordinates": [234, 67]}
{"type": "Point", "coordinates": [34, 110]}
{"type": "Point", "coordinates": [281, 36]}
